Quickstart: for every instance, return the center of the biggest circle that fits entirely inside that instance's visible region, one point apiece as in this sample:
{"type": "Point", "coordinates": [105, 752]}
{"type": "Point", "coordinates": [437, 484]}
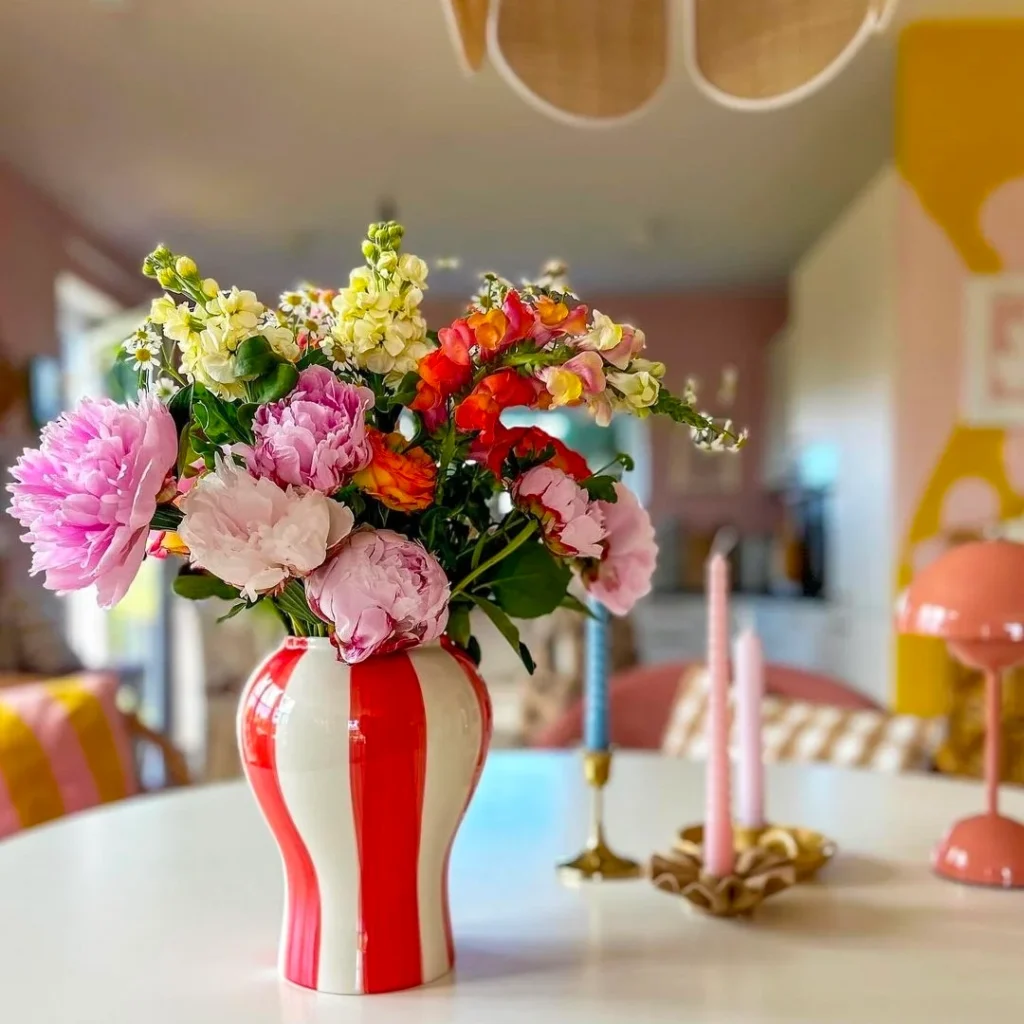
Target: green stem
{"type": "Point", "coordinates": [524, 535]}
{"type": "Point", "coordinates": [166, 517]}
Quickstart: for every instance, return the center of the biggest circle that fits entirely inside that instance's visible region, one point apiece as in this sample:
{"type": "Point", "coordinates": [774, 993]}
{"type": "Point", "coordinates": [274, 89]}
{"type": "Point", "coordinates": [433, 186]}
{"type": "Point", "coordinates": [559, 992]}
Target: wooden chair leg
{"type": "Point", "coordinates": [174, 760]}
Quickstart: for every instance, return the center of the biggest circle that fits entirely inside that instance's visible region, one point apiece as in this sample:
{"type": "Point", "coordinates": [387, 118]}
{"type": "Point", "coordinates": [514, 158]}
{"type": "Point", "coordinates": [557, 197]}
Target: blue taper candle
{"type": "Point", "coordinates": [595, 730]}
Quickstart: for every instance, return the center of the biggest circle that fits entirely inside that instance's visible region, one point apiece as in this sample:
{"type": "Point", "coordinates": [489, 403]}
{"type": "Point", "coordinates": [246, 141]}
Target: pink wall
{"type": "Point", "coordinates": [697, 334]}
{"type": "Point", "coordinates": [37, 241]}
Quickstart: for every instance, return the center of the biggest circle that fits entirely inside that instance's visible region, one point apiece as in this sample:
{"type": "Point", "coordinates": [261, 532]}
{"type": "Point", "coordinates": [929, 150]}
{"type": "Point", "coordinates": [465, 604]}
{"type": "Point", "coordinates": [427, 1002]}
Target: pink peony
{"type": "Point", "coordinates": [624, 574]}
{"type": "Point", "coordinates": [87, 494]}
{"type": "Point", "coordinates": [255, 535]}
{"type": "Point", "coordinates": [573, 524]}
{"type": "Point", "coordinates": [382, 592]}
{"type": "Point", "coordinates": [315, 437]}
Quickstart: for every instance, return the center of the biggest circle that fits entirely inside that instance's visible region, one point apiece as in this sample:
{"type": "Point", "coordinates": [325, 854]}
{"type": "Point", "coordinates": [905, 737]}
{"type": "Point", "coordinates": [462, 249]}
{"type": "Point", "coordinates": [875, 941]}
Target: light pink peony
{"type": "Point", "coordinates": [87, 494]}
{"type": "Point", "coordinates": [315, 437]}
{"type": "Point", "coordinates": [573, 524]}
{"type": "Point", "coordinates": [624, 574]}
{"type": "Point", "coordinates": [382, 592]}
{"type": "Point", "coordinates": [255, 535]}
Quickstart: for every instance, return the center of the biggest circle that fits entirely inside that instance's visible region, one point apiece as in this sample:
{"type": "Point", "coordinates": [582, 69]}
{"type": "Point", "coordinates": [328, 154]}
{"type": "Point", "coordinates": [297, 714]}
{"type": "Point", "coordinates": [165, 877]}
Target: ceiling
{"type": "Point", "coordinates": [262, 136]}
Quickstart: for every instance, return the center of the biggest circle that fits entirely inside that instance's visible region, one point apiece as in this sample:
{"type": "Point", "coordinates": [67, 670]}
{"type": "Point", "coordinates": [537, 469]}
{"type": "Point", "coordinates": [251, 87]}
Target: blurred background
{"type": "Point", "coordinates": [821, 223]}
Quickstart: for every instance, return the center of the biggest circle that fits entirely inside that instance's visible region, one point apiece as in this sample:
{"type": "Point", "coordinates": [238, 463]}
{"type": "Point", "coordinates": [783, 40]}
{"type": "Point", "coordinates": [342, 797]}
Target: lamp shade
{"type": "Point", "coordinates": [467, 20]}
{"type": "Point", "coordinates": [588, 62]}
{"type": "Point", "coordinates": [973, 592]}
{"type": "Point", "coordinates": [762, 54]}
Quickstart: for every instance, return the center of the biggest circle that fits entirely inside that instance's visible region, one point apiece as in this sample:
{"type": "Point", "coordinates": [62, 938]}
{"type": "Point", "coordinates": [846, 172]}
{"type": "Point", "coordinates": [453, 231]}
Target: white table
{"type": "Point", "coordinates": [166, 909]}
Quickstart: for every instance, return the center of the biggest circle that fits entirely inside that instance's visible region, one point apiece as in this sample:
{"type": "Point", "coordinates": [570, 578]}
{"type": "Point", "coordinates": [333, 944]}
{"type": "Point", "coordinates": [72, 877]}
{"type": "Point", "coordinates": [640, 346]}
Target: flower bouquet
{"type": "Point", "coordinates": [335, 459]}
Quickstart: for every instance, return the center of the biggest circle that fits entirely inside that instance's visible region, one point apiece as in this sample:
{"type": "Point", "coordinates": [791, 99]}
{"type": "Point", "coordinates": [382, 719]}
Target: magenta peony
{"type": "Point", "coordinates": [624, 574]}
{"type": "Point", "coordinates": [316, 437]}
{"type": "Point", "coordinates": [87, 494]}
{"type": "Point", "coordinates": [573, 524]}
{"type": "Point", "coordinates": [382, 592]}
{"type": "Point", "coordinates": [256, 535]}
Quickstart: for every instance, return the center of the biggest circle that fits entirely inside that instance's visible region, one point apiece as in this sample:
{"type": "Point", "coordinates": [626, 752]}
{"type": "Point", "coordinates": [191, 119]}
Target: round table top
{"type": "Point", "coordinates": [166, 909]}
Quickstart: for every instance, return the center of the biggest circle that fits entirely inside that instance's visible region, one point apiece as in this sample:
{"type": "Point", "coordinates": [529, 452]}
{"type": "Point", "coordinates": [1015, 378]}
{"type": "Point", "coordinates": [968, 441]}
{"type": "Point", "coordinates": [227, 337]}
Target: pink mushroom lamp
{"type": "Point", "coordinates": [973, 597]}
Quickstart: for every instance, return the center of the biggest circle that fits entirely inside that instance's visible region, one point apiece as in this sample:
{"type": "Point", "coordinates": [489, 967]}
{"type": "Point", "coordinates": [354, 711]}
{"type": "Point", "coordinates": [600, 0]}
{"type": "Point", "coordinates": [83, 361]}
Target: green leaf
{"type": "Point", "coordinates": [197, 586]}
{"type": "Point", "coordinates": [705, 428]}
{"type": "Point", "coordinates": [293, 601]}
{"type": "Point", "coordinates": [234, 610]}
{"type": "Point", "coordinates": [314, 356]}
{"type": "Point", "coordinates": [166, 517]}
{"type": "Point", "coordinates": [123, 382]}
{"type": "Point", "coordinates": [215, 417]}
{"type": "Point", "coordinates": [506, 627]}
{"type": "Point", "coordinates": [527, 658]}
{"type": "Point", "coordinates": [180, 407]}
{"type": "Point", "coordinates": [458, 624]}
{"type": "Point", "coordinates": [186, 453]}
{"type": "Point", "coordinates": [276, 384]}
{"type": "Point", "coordinates": [253, 358]}
{"type": "Point", "coordinates": [530, 582]}
{"type": "Point", "coordinates": [601, 488]}
{"type": "Point", "coordinates": [473, 650]}
{"type": "Point", "coordinates": [478, 548]}
{"type": "Point", "coordinates": [402, 395]}
{"type": "Point", "coordinates": [576, 605]}
{"type": "Point", "coordinates": [246, 414]}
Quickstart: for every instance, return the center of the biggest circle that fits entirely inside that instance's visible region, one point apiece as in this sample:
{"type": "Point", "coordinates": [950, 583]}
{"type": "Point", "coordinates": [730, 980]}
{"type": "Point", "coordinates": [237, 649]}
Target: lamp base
{"type": "Point", "coordinates": [987, 849]}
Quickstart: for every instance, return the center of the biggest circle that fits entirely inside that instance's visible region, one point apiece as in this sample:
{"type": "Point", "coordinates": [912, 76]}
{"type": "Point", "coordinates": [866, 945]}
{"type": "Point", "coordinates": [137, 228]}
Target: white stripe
{"type": "Point", "coordinates": [312, 754]}
{"type": "Point", "coordinates": [454, 735]}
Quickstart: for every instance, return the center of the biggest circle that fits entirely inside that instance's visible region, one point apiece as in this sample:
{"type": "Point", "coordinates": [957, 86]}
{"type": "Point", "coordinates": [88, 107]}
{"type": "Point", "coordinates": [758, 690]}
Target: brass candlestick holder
{"type": "Point", "coordinates": [808, 851]}
{"type": "Point", "coordinates": [597, 862]}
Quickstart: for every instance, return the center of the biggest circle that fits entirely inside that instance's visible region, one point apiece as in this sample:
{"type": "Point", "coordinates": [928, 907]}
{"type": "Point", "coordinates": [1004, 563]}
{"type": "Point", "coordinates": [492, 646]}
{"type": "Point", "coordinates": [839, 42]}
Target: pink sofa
{"type": "Point", "coordinates": [641, 700]}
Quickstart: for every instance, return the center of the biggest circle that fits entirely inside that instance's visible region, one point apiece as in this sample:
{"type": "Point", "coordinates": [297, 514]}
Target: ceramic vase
{"type": "Point", "coordinates": [363, 773]}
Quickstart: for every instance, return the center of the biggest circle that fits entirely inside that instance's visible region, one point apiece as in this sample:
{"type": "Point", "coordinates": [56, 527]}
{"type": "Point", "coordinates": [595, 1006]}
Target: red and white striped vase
{"type": "Point", "coordinates": [363, 773]}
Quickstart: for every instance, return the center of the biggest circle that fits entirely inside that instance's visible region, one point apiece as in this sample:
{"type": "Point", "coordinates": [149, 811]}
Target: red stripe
{"type": "Point", "coordinates": [388, 763]}
{"type": "Point", "coordinates": [259, 720]}
{"type": "Point", "coordinates": [486, 728]}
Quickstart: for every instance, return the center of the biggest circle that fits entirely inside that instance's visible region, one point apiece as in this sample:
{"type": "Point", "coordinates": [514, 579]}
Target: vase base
{"type": "Point", "coordinates": [987, 849]}
{"type": "Point", "coordinates": [355, 990]}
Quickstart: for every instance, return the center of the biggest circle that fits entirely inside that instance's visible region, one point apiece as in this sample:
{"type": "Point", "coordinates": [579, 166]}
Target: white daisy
{"type": "Point", "coordinates": [145, 355]}
{"type": "Point", "coordinates": [165, 388]}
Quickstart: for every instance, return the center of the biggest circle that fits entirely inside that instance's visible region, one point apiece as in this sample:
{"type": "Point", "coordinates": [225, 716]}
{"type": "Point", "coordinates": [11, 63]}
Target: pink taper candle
{"type": "Point", "coordinates": [748, 660]}
{"type": "Point", "coordinates": [718, 848]}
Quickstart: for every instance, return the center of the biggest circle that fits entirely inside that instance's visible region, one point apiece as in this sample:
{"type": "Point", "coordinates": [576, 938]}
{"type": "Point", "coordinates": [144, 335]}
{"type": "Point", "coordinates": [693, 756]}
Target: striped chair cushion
{"type": "Point", "coordinates": [796, 730]}
{"type": "Point", "coordinates": [63, 747]}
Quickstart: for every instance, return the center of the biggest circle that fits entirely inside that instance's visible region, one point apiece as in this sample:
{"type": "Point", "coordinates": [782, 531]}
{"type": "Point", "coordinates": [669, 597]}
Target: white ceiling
{"type": "Point", "coordinates": [261, 136]}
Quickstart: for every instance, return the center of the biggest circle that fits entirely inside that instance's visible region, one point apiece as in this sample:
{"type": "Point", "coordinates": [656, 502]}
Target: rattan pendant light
{"type": "Point", "coordinates": [764, 54]}
{"type": "Point", "coordinates": [601, 61]}
{"type": "Point", "coordinates": [467, 20]}
{"type": "Point", "coordinates": [590, 61]}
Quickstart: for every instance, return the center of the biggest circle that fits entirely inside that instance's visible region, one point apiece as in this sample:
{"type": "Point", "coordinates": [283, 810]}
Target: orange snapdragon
{"type": "Point", "coordinates": [503, 389]}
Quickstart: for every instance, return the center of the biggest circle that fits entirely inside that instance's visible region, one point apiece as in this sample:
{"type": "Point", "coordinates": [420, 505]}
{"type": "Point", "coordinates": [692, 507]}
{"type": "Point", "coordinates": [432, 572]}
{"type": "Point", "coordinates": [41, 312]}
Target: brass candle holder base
{"type": "Point", "coordinates": [808, 850]}
{"type": "Point", "coordinates": [757, 874]}
{"type": "Point", "coordinates": [597, 862]}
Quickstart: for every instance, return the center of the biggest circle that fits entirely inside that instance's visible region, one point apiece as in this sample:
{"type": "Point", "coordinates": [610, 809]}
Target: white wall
{"type": "Point", "coordinates": [840, 360]}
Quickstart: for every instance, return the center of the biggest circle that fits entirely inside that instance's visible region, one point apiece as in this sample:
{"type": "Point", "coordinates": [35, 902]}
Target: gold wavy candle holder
{"type": "Point", "coordinates": [597, 862]}
{"type": "Point", "coordinates": [756, 875]}
{"type": "Point", "coordinates": [808, 850]}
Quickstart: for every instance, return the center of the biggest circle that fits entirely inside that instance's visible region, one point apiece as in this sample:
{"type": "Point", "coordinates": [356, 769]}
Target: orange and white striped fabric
{"type": "Point", "coordinates": [63, 747]}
